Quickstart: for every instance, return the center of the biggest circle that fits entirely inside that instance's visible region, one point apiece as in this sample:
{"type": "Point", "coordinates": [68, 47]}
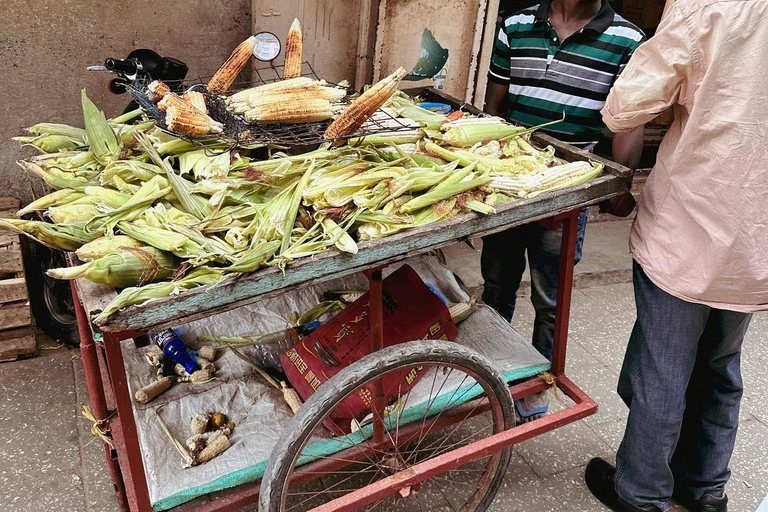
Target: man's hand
{"type": "Point", "coordinates": [620, 206]}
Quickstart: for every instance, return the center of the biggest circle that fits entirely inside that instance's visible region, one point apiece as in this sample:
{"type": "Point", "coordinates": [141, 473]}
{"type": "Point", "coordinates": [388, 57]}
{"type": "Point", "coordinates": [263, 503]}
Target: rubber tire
{"type": "Point", "coordinates": [59, 323]}
{"type": "Point", "coordinates": [292, 440]}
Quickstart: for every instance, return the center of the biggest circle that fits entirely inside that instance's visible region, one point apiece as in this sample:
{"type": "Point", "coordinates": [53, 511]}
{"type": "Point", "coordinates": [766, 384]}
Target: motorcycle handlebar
{"type": "Point", "coordinates": [128, 66]}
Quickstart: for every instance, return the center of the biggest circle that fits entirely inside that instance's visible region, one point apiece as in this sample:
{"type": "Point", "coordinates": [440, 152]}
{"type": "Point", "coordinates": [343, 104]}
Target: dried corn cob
{"type": "Point", "coordinates": [363, 107]}
{"type": "Point", "coordinates": [197, 377]}
{"type": "Point", "coordinates": [293, 50]}
{"type": "Point", "coordinates": [190, 122]}
{"type": "Point", "coordinates": [196, 99]}
{"type": "Point", "coordinates": [151, 391]}
{"type": "Point", "coordinates": [199, 423]}
{"type": "Point", "coordinates": [157, 91]}
{"type": "Point", "coordinates": [215, 446]}
{"type": "Point", "coordinates": [232, 67]}
{"type": "Point", "coordinates": [207, 352]}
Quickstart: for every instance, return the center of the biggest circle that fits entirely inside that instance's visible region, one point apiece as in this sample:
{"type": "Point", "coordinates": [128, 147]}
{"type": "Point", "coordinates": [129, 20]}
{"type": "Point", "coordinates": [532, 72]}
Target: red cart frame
{"type": "Point", "coordinates": [105, 370]}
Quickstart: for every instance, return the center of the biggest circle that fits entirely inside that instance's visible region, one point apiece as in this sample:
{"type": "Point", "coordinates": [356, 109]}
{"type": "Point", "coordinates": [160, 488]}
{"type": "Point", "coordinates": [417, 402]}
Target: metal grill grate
{"type": "Point", "coordinates": [240, 133]}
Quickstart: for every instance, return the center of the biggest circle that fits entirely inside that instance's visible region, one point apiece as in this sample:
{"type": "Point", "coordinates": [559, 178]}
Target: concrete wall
{"type": "Point", "coordinates": [456, 25]}
{"type": "Point", "coordinates": [45, 46]}
{"type": "Point", "coordinates": [330, 31]}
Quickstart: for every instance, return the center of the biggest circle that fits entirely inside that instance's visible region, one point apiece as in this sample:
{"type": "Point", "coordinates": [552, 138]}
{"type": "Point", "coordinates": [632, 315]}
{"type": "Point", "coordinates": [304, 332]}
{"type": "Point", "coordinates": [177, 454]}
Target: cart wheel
{"type": "Point", "coordinates": [424, 423]}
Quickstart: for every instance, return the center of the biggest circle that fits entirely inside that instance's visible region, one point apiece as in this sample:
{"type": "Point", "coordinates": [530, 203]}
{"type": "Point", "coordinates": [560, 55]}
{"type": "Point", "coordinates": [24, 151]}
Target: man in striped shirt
{"type": "Point", "coordinates": [554, 61]}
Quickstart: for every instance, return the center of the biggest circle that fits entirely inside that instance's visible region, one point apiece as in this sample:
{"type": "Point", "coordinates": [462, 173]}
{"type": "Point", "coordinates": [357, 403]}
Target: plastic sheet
{"type": "Point", "coordinates": [257, 409]}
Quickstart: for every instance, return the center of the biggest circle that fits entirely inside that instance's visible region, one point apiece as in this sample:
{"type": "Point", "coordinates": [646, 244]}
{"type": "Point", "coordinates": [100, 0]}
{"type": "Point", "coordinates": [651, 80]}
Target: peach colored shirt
{"type": "Point", "coordinates": [701, 232]}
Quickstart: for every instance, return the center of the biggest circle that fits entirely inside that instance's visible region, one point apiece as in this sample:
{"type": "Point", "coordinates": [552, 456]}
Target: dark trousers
{"type": "Point", "coordinates": [681, 379]}
{"type": "Point", "coordinates": [502, 264]}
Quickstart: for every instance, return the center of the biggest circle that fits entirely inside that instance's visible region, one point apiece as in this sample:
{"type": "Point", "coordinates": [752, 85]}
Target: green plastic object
{"type": "Point", "coordinates": [432, 58]}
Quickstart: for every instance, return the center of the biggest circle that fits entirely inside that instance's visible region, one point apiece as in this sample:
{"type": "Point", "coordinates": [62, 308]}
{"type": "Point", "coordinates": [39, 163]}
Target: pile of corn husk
{"type": "Point", "coordinates": [155, 215]}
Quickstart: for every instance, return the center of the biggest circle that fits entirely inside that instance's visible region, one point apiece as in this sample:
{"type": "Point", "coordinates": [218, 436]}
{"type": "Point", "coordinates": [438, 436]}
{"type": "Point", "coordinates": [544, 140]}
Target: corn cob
{"type": "Point", "coordinates": [122, 269]}
{"type": "Point", "coordinates": [244, 95]}
{"type": "Point", "coordinates": [207, 352]}
{"type": "Point", "coordinates": [172, 99]}
{"type": "Point", "coordinates": [293, 50]}
{"type": "Point", "coordinates": [215, 446]}
{"type": "Point", "coordinates": [196, 99]}
{"type": "Point", "coordinates": [149, 392]}
{"type": "Point", "coordinates": [72, 213]}
{"type": "Point", "coordinates": [198, 377]}
{"type": "Point", "coordinates": [301, 111]}
{"type": "Point", "coordinates": [199, 423]}
{"type": "Point", "coordinates": [232, 67]}
{"type": "Point", "coordinates": [190, 122]}
{"type": "Point", "coordinates": [363, 107]}
{"type": "Point", "coordinates": [157, 91]}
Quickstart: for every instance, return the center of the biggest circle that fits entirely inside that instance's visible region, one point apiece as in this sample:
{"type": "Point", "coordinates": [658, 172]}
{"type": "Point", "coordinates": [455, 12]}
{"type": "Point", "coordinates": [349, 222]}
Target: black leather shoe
{"type": "Point", "coordinates": [706, 503]}
{"type": "Point", "coordinates": [599, 477]}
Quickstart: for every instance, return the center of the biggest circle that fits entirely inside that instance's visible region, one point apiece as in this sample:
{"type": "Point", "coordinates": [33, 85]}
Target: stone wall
{"type": "Point", "coordinates": [46, 45]}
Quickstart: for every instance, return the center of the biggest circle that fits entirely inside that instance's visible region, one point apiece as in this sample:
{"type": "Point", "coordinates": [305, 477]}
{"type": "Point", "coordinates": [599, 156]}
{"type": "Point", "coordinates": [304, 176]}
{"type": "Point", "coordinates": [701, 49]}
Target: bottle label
{"type": "Point", "coordinates": [163, 337]}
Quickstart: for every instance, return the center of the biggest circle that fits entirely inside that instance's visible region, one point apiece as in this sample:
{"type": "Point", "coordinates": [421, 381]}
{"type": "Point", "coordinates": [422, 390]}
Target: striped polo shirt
{"type": "Point", "coordinates": [548, 77]}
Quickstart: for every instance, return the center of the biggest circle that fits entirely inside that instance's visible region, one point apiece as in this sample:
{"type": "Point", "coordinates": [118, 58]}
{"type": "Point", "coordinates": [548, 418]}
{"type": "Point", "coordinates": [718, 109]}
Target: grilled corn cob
{"type": "Point", "coordinates": [157, 91]}
{"type": "Point", "coordinates": [242, 96]}
{"type": "Point", "coordinates": [170, 99]}
{"type": "Point", "coordinates": [196, 99]}
{"type": "Point", "coordinates": [363, 107]}
{"type": "Point", "coordinates": [190, 121]}
{"type": "Point", "coordinates": [293, 49]}
{"type": "Point", "coordinates": [232, 67]}
{"type": "Point", "coordinates": [299, 111]}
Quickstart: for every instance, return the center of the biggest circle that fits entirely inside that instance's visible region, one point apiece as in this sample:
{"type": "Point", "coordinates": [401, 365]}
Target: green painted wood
{"type": "Point", "coordinates": [203, 302]}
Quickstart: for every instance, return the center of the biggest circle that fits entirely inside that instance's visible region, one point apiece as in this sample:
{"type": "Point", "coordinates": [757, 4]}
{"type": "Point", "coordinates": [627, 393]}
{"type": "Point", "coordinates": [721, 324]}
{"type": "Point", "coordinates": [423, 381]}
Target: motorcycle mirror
{"type": "Point", "coordinates": [267, 47]}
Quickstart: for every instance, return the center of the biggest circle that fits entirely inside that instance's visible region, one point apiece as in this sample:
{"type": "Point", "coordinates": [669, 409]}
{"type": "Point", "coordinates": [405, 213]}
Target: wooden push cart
{"type": "Point", "coordinates": [393, 456]}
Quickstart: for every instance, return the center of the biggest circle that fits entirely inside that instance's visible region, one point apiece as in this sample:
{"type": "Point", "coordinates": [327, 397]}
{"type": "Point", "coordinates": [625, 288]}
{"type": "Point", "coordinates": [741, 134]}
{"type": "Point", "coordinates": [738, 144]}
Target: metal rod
{"type": "Point", "coordinates": [96, 394]}
{"type": "Point", "coordinates": [377, 343]}
{"type": "Point", "coordinates": [564, 289]}
{"type": "Point", "coordinates": [129, 434]}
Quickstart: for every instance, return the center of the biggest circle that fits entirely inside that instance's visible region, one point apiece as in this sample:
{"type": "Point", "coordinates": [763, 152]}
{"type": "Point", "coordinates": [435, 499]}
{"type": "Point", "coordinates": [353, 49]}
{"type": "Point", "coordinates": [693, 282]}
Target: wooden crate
{"type": "Point", "coordinates": [17, 335]}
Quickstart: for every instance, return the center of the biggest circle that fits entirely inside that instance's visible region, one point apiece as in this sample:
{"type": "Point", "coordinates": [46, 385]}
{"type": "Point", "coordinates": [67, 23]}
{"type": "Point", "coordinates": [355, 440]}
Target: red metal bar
{"type": "Point", "coordinates": [461, 456]}
{"type": "Point", "coordinates": [96, 394]}
{"type": "Point", "coordinates": [564, 288]}
{"type": "Point", "coordinates": [377, 343]}
{"type": "Point", "coordinates": [130, 439]}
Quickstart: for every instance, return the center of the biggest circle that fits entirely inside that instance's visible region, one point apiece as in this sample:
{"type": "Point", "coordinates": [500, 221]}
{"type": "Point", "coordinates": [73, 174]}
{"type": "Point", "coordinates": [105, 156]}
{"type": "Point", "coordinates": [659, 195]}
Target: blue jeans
{"type": "Point", "coordinates": [681, 379]}
{"type": "Point", "coordinates": [502, 264]}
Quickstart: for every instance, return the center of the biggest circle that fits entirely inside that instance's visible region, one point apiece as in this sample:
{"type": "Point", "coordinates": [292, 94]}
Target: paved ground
{"type": "Point", "coordinates": [50, 462]}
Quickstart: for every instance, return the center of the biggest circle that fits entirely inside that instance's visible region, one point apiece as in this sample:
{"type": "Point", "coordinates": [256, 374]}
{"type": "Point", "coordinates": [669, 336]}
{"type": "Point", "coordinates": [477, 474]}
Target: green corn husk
{"type": "Point", "coordinates": [59, 129]}
{"type": "Point", "coordinates": [108, 196]}
{"type": "Point", "coordinates": [49, 143]}
{"type": "Point", "coordinates": [55, 198]}
{"type": "Point", "coordinates": [255, 257]}
{"type": "Point", "coordinates": [344, 242]}
{"type": "Point", "coordinates": [160, 238]}
{"type": "Point", "coordinates": [101, 138]}
{"type": "Point", "coordinates": [139, 295]}
{"type": "Point", "coordinates": [105, 245]}
{"type": "Point", "coordinates": [193, 204]}
{"type": "Point", "coordinates": [72, 213]}
{"type": "Point", "coordinates": [479, 207]}
{"type": "Point", "coordinates": [128, 267]}
{"type": "Point", "coordinates": [65, 237]}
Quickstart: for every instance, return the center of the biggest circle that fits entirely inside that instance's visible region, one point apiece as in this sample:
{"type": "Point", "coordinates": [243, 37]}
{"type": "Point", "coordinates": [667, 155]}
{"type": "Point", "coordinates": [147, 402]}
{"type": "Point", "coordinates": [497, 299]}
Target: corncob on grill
{"type": "Point", "coordinates": [190, 121]}
{"type": "Point", "coordinates": [227, 73]}
{"type": "Point", "coordinates": [157, 91]}
{"type": "Point", "coordinates": [171, 99]}
{"type": "Point", "coordinates": [196, 99]}
{"type": "Point", "coordinates": [363, 107]}
{"type": "Point", "coordinates": [293, 50]}
{"type": "Point", "coordinates": [297, 111]}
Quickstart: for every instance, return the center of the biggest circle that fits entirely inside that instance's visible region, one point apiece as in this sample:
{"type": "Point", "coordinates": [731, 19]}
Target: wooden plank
{"type": "Point", "coordinates": [202, 302]}
{"type": "Point", "coordinates": [9, 203]}
{"type": "Point", "coordinates": [9, 214]}
{"type": "Point", "coordinates": [12, 290]}
{"type": "Point", "coordinates": [11, 261]}
{"type": "Point", "coordinates": [11, 350]}
{"type": "Point", "coordinates": [14, 315]}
